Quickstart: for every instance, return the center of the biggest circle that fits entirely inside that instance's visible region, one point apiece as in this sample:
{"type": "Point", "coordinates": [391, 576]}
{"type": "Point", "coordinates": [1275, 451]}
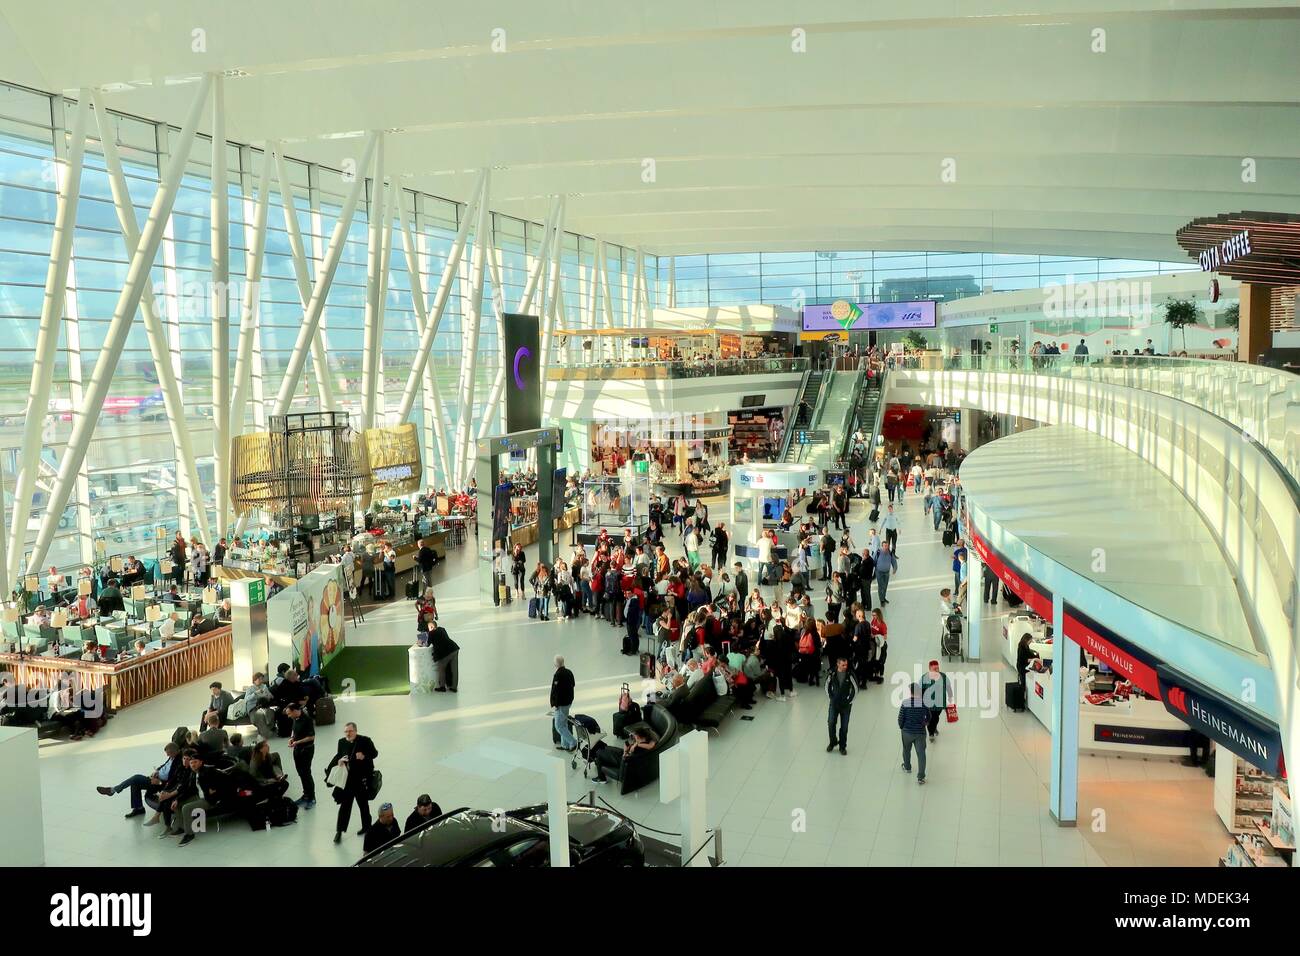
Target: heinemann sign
{"type": "Point", "coordinates": [1222, 720]}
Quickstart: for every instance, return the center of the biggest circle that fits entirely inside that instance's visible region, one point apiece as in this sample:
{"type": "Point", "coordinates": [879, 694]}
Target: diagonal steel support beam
{"type": "Point", "coordinates": [159, 347]}
{"type": "Point", "coordinates": [373, 328]}
{"type": "Point", "coordinates": [220, 248]}
{"type": "Point", "coordinates": [449, 273]}
{"type": "Point", "coordinates": [298, 252]}
{"type": "Point", "coordinates": [137, 281]}
{"type": "Point", "coordinates": [324, 279]}
{"type": "Point", "coordinates": [473, 323]}
{"type": "Point", "coordinates": [433, 397]}
{"type": "Point", "coordinates": [249, 307]}
{"type": "Point", "coordinates": [47, 341]}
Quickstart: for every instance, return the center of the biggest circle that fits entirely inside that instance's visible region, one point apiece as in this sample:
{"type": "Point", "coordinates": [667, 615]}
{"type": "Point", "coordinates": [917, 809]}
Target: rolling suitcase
{"type": "Point", "coordinates": [874, 516]}
{"type": "Point", "coordinates": [947, 537]}
{"type": "Point", "coordinates": [413, 587]}
{"type": "Point", "coordinates": [1015, 696]}
{"type": "Point", "coordinates": [1011, 597]}
{"type": "Point", "coordinates": [325, 711]}
{"type": "Point", "coordinates": [533, 606]}
{"type": "Point", "coordinates": [647, 669]}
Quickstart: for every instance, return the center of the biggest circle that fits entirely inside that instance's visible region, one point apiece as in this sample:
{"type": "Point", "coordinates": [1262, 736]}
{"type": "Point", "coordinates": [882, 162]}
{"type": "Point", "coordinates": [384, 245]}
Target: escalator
{"type": "Point", "coordinates": [804, 415]}
{"type": "Point", "coordinates": [834, 415]}
{"type": "Point", "coordinates": [866, 417]}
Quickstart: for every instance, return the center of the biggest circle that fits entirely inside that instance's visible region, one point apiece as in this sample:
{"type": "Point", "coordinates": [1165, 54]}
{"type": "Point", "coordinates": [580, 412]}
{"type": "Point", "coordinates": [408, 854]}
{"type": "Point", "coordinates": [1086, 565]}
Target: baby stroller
{"type": "Point", "coordinates": [950, 639]}
{"type": "Point", "coordinates": [587, 733]}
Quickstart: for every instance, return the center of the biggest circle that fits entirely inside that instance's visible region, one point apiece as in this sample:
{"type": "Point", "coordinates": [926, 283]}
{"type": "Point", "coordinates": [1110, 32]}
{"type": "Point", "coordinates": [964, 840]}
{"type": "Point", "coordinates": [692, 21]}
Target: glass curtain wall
{"type": "Point", "coordinates": [795, 279]}
{"type": "Point", "coordinates": [132, 484]}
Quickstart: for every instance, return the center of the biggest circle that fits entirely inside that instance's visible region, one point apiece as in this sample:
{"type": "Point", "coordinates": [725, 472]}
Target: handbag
{"type": "Point", "coordinates": [374, 783]}
{"type": "Point", "coordinates": [625, 698]}
{"type": "Point", "coordinates": [952, 713]}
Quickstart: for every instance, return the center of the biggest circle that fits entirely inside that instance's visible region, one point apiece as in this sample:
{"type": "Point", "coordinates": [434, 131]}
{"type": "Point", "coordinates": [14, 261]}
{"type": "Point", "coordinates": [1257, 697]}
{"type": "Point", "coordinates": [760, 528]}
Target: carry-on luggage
{"type": "Point", "coordinates": [1011, 597]}
{"type": "Point", "coordinates": [413, 587]}
{"type": "Point", "coordinates": [534, 606]}
{"type": "Point", "coordinates": [950, 639]}
{"type": "Point", "coordinates": [948, 537]}
{"type": "Point", "coordinates": [647, 669]}
{"type": "Point", "coordinates": [325, 711]}
{"type": "Point", "coordinates": [874, 516]}
{"type": "Point", "coordinates": [281, 812]}
{"type": "Point", "coordinates": [1015, 696]}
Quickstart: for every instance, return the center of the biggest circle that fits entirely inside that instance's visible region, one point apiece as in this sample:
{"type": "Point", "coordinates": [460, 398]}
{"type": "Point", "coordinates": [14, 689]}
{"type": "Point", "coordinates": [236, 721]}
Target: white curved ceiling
{"type": "Point", "coordinates": [1057, 149]}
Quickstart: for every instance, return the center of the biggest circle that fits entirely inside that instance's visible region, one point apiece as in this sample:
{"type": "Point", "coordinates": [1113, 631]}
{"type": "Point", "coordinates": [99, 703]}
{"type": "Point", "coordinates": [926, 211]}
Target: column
{"type": "Point", "coordinates": [20, 797]}
{"type": "Point", "coordinates": [1254, 332]}
{"type": "Point", "coordinates": [1063, 802]}
{"type": "Point", "coordinates": [975, 606]}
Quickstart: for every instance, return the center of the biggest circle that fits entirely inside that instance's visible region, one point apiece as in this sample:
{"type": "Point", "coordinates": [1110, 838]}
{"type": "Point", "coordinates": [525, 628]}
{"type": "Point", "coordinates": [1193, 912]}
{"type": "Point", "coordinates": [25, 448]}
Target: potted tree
{"type": "Point", "coordinates": [1180, 313]}
{"type": "Point", "coordinates": [1232, 315]}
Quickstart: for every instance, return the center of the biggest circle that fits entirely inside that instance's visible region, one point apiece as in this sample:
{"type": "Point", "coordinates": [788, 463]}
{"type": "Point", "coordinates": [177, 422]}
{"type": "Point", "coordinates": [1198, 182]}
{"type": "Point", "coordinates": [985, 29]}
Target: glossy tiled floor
{"type": "Point", "coordinates": [779, 798]}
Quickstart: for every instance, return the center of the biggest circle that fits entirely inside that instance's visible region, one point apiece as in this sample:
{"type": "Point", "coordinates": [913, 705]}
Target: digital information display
{"type": "Point", "coordinates": [845, 316]}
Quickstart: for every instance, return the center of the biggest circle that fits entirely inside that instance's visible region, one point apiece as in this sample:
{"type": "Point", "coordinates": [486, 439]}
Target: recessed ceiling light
{"type": "Point", "coordinates": [395, 129]}
{"type": "Point", "coordinates": [235, 74]}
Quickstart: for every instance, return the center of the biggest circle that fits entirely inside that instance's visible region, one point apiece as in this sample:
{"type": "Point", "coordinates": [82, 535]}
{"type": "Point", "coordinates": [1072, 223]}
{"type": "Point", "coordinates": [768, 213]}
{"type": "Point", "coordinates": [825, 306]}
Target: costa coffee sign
{"type": "Point", "coordinates": [1234, 247]}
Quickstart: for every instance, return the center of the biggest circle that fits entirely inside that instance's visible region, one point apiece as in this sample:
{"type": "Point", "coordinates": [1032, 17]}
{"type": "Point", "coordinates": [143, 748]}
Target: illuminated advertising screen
{"type": "Point", "coordinates": [845, 316]}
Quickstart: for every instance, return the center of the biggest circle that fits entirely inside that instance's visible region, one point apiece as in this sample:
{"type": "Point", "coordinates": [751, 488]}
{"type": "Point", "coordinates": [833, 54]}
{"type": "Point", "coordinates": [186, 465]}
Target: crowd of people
{"type": "Point", "coordinates": [213, 772]}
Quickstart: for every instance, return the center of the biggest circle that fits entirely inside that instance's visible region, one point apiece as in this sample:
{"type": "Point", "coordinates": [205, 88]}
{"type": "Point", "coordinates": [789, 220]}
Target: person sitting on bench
{"type": "Point", "coordinates": [641, 739]}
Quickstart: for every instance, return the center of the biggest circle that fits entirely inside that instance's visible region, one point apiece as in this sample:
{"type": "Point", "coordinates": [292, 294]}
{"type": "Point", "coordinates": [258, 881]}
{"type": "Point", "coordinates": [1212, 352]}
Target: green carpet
{"type": "Point", "coordinates": [372, 671]}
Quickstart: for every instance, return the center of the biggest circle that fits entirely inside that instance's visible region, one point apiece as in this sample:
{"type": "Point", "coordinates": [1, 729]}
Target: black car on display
{"type": "Point", "coordinates": [516, 838]}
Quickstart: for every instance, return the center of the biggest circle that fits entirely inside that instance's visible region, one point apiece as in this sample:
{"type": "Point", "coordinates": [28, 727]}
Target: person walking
{"type": "Point", "coordinates": [936, 695]}
{"type": "Point", "coordinates": [840, 691]}
{"type": "Point", "coordinates": [425, 559]}
{"type": "Point", "coordinates": [886, 565]}
{"type": "Point", "coordinates": [518, 567]}
{"type": "Point", "coordinates": [913, 718]}
{"type": "Point", "coordinates": [302, 741]}
{"type": "Point", "coordinates": [889, 524]}
{"type": "Point", "coordinates": [357, 754]}
{"type": "Point", "coordinates": [562, 684]}
{"type": "Point", "coordinates": [446, 654]}
{"type": "Point", "coordinates": [692, 544]}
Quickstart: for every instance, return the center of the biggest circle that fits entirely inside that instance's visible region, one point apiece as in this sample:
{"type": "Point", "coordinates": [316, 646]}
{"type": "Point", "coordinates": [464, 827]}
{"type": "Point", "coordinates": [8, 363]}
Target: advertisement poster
{"type": "Point", "coordinates": [845, 316]}
{"type": "Point", "coordinates": [305, 621]}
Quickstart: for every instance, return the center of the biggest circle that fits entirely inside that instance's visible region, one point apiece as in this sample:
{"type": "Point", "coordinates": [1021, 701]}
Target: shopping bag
{"type": "Point", "coordinates": [952, 713]}
{"type": "Point", "coordinates": [338, 776]}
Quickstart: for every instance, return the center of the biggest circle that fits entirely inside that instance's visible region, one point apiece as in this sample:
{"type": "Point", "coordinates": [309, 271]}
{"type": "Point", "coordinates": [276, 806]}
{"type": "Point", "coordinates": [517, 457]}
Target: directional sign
{"type": "Point", "coordinates": [816, 436]}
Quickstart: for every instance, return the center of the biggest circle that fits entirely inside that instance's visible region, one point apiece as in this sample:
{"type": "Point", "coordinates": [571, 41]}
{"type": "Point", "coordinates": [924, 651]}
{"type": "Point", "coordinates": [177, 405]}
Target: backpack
{"type": "Point", "coordinates": [806, 643]}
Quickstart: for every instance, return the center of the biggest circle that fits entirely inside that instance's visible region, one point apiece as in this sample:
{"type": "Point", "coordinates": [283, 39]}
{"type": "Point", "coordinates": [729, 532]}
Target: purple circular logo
{"type": "Point", "coordinates": [521, 353]}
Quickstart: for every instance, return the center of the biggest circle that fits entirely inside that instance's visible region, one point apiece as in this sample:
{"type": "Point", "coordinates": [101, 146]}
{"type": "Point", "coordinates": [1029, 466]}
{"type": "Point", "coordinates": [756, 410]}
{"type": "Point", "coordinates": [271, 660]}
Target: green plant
{"type": "Point", "coordinates": [914, 340]}
{"type": "Point", "coordinates": [1232, 315]}
{"type": "Point", "coordinates": [1180, 313]}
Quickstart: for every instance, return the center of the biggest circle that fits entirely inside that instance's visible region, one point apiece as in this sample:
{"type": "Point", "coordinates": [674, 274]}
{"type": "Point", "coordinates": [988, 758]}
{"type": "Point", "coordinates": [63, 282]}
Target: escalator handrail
{"type": "Point", "coordinates": [789, 426]}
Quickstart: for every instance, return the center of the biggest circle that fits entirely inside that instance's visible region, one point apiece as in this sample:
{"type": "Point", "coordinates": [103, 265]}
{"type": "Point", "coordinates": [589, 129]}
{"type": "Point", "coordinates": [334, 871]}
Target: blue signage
{"type": "Point", "coordinates": [1222, 720]}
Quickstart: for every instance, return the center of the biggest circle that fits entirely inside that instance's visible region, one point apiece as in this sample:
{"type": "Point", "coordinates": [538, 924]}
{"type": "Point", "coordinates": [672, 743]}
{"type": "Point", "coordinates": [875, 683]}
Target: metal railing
{"type": "Point", "coordinates": [1263, 403]}
{"type": "Point", "coordinates": [689, 368]}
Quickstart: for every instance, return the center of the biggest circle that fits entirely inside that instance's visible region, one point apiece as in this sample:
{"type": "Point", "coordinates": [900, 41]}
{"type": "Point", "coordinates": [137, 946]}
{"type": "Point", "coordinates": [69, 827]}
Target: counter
{"type": "Point", "coordinates": [1136, 727]}
{"type": "Point", "coordinates": [133, 680]}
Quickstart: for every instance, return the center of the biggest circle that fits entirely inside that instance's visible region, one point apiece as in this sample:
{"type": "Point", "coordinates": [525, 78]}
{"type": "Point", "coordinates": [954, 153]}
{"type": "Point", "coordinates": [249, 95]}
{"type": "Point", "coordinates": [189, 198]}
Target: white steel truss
{"type": "Point", "coordinates": [47, 343]}
{"type": "Point", "coordinates": [137, 281]}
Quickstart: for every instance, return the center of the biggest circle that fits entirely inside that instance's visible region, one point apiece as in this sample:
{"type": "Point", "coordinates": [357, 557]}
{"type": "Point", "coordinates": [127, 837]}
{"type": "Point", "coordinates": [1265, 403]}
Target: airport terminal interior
{"type": "Point", "coordinates": [731, 435]}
